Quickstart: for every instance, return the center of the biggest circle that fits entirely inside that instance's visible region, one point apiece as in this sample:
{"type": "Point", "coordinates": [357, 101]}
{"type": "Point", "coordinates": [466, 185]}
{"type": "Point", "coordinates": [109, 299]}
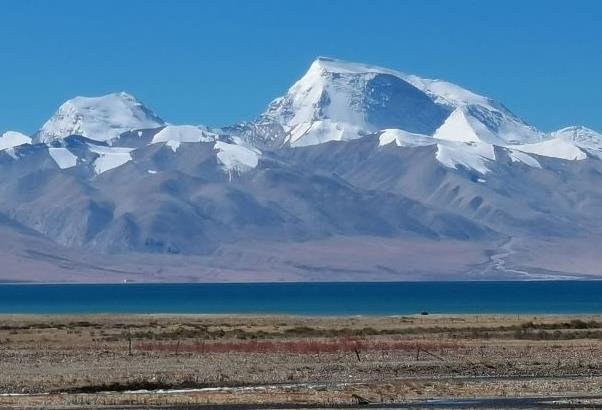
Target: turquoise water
{"type": "Point", "coordinates": [308, 298]}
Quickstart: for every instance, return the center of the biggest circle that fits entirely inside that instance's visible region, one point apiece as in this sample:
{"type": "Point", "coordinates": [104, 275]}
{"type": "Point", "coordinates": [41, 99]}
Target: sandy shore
{"type": "Point", "coordinates": [170, 360]}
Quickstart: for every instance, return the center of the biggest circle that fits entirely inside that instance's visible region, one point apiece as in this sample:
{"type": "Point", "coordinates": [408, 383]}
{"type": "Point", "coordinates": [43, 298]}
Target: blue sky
{"type": "Point", "coordinates": [219, 62]}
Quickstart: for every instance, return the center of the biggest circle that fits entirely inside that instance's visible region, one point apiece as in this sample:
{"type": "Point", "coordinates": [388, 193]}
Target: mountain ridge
{"type": "Point", "coordinates": [350, 151]}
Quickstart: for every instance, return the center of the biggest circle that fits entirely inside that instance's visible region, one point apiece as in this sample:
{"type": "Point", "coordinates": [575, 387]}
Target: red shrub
{"type": "Point", "coordinates": [303, 346]}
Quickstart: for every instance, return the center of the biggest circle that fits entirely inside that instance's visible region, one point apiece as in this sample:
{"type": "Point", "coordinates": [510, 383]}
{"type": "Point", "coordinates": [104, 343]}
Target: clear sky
{"type": "Point", "coordinates": [219, 62]}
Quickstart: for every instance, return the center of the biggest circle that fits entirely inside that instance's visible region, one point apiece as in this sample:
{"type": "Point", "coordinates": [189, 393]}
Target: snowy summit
{"type": "Point", "coordinates": [98, 118]}
{"type": "Point", "coordinates": [11, 139]}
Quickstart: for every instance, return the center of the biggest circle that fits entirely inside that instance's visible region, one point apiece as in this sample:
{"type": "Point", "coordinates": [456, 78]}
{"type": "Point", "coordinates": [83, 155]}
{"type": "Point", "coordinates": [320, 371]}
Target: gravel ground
{"type": "Point", "coordinates": [69, 361]}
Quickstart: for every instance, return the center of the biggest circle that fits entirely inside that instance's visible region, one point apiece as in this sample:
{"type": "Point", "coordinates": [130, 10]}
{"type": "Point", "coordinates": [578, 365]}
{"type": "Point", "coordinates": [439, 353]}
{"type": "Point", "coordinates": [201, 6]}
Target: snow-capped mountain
{"type": "Point", "coordinates": [11, 139]}
{"type": "Point", "coordinates": [336, 100]}
{"type": "Point", "coordinates": [584, 138]}
{"type": "Point", "coordinates": [342, 101]}
{"type": "Point", "coordinates": [355, 172]}
{"type": "Point", "coordinates": [98, 118]}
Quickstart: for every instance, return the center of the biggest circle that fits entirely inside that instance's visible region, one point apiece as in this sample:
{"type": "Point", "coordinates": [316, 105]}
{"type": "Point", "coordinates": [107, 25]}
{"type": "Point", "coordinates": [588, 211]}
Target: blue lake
{"type": "Point", "coordinates": [308, 298]}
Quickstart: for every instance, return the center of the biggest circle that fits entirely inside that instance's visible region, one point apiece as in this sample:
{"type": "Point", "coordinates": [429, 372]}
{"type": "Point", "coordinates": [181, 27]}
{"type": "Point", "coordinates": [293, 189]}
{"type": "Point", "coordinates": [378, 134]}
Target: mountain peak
{"type": "Point", "coordinates": [440, 91]}
{"type": "Point", "coordinates": [343, 66]}
{"type": "Point", "coordinates": [338, 100]}
{"type": "Point", "coordinates": [582, 137]}
{"type": "Point", "coordinates": [11, 139]}
{"type": "Point", "coordinates": [98, 118]}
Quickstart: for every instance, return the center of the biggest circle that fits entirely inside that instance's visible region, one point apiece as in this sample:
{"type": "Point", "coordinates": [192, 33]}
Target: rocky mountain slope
{"type": "Point", "coordinates": [357, 172]}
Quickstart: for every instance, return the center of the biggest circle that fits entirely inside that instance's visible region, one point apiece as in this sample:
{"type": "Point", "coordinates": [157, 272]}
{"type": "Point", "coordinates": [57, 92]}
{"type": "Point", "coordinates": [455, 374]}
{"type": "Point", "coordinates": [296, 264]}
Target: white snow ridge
{"type": "Point", "coordinates": [554, 148]}
{"type": "Point", "coordinates": [184, 133]}
{"type": "Point", "coordinates": [333, 102]}
{"type": "Point", "coordinates": [404, 139]}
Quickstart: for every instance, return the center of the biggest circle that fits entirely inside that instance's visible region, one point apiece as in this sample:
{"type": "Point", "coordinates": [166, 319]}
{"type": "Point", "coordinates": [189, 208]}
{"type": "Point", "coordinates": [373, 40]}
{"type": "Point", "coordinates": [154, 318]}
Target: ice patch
{"type": "Point", "coordinates": [473, 155]}
{"type": "Point", "coordinates": [518, 156]}
{"type": "Point", "coordinates": [237, 157]}
{"type": "Point", "coordinates": [404, 139]}
{"type": "Point", "coordinates": [12, 153]}
{"type": "Point", "coordinates": [109, 157]}
{"type": "Point", "coordinates": [184, 133]}
{"type": "Point", "coordinates": [63, 157]}
{"type": "Point", "coordinates": [174, 145]}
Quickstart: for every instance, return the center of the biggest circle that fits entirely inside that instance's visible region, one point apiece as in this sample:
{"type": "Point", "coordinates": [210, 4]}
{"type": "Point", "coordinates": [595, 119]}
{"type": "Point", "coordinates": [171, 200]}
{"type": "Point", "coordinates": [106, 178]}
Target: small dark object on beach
{"type": "Point", "coordinates": [424, 313]}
